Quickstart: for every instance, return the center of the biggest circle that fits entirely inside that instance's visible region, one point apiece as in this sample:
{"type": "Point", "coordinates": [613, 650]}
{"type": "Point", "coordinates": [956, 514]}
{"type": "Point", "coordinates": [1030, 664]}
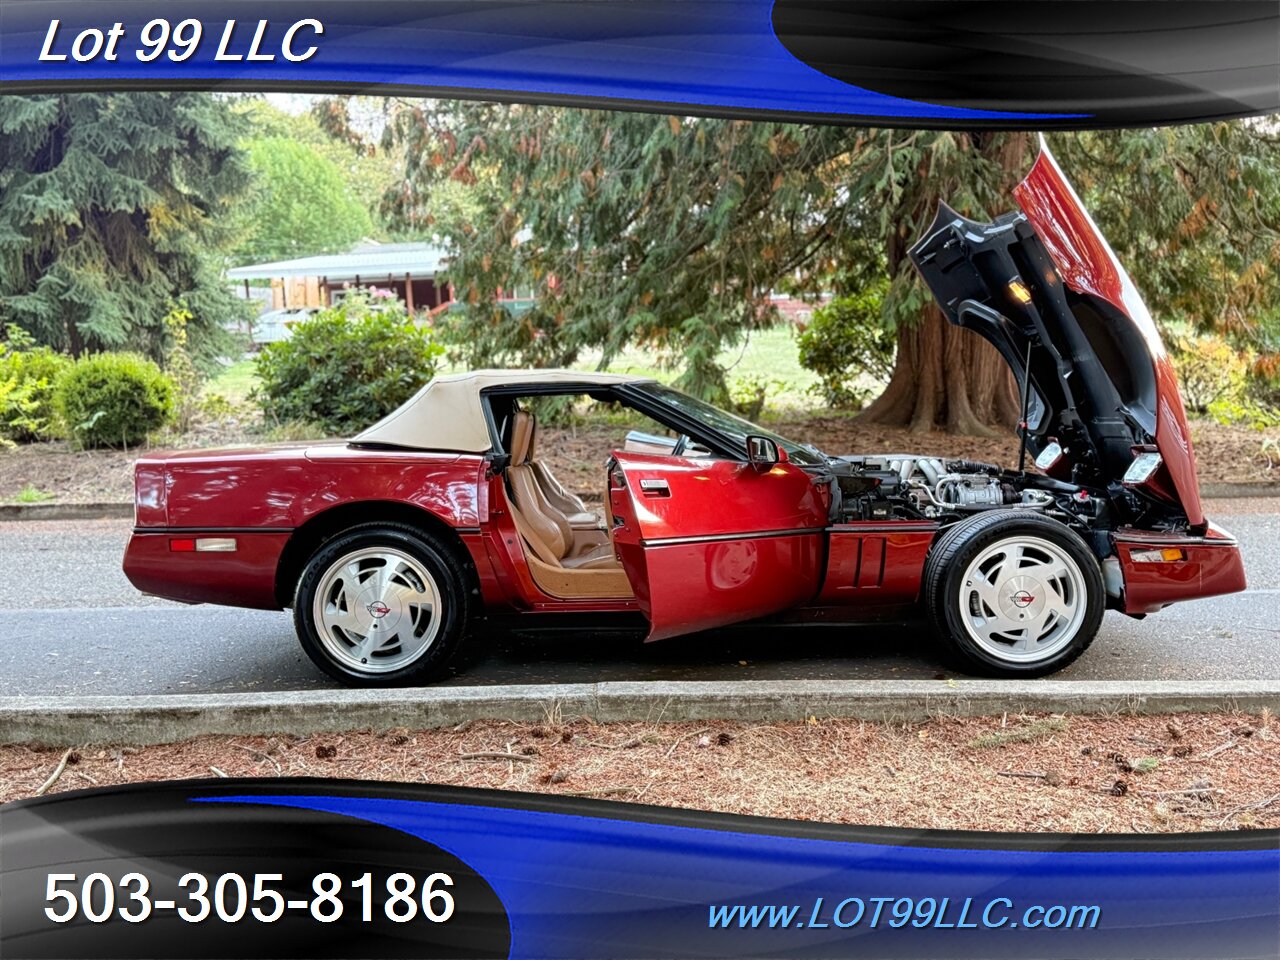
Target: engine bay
{"type": "Point", "coordinates": [915, 487]}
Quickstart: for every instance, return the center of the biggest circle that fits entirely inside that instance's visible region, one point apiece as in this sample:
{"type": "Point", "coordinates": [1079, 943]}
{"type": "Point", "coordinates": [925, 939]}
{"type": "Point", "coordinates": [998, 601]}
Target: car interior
{"type": "Point", "coordinates": [567, 541]}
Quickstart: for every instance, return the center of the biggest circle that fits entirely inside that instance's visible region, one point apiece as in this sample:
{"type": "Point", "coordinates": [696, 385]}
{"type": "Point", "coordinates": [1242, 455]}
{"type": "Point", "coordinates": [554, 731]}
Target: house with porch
{"type": "Point", "coordinates": [408, 270]}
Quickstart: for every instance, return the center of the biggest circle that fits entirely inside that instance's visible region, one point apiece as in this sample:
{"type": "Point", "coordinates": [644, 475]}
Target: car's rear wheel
{"type": "Point", "coordinates": [1013, 594]}
{"type": "Point", "coordinates": [381, 605]}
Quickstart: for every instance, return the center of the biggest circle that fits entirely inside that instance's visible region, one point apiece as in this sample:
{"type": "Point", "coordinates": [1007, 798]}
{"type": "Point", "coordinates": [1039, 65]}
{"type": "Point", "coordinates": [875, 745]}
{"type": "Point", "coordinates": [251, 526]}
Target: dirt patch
{"type": "Point", "coordinates": [100, 476]}
{"type": "Point", "coordinates": [577, 454]}
{"type": "Point", "coordinates": [1034, 773]}
{"type": "Point", "coordinates": [96, 476]}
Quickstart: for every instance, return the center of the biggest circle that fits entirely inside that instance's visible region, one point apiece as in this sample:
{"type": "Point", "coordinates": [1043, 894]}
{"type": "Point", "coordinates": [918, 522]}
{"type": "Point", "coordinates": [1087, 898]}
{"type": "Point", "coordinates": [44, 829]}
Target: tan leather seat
{"type": "Point", "coordinates": [580, 517]}
{"type": "Point", "coordinates": [545, 527]}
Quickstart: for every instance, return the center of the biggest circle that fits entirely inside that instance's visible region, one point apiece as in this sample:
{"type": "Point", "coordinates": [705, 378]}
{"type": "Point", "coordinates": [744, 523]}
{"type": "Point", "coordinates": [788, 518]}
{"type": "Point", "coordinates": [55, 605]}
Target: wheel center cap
{"type": "Point", "coordinates": [378, 613]}
{"type": "Point", "coordinates": [1022, 598]}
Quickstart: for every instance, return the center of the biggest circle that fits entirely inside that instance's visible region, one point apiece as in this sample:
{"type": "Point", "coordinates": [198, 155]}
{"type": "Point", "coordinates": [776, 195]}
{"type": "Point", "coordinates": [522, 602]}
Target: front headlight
{"type": "Point", "coordinates": [1142, 468]}
{"type": "Point", "coordinates": [1049, 456]}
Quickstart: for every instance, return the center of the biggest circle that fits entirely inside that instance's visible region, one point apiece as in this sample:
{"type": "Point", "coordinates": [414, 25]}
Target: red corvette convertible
{"type": "Point", "coordinates": [386, 546]}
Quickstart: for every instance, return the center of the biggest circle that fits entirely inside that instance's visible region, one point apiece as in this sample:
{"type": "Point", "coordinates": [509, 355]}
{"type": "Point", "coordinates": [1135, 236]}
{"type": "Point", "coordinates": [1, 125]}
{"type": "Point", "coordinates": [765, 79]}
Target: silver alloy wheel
{"type": "Point", "coordinates": [1023, 599]}
{"type": "Point", "coordinates": [377, 610]}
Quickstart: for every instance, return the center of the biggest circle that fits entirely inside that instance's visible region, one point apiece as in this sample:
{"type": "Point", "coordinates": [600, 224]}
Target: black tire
{"type": "Point", "coordinates": [447, 574]}
{"type": "Point", "coordinates": [946, 594]}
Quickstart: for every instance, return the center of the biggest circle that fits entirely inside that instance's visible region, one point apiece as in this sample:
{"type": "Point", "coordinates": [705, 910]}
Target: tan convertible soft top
{"type": "Point", "coordinates": [446, 413]}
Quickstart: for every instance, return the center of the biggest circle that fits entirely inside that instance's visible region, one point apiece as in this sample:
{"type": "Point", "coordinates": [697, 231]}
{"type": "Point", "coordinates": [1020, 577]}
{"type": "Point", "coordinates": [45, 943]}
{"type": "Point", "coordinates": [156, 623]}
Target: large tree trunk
{"type": "Point", "coordinates": [946, 377]}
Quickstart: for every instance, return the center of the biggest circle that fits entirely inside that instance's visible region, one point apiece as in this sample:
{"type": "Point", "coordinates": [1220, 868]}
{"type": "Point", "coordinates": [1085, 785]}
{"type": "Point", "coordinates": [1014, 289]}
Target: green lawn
{"type": "Point", "coordinates": [768, 356]}
{"type": "Point", "coordinates": [234, 383]}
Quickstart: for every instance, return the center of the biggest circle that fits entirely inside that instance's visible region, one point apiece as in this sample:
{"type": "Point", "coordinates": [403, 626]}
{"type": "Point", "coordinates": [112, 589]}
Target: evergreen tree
{"type": "Point", "coordinates": [671, 231]}
{"type": "Point", "coordinates": [113, 206]}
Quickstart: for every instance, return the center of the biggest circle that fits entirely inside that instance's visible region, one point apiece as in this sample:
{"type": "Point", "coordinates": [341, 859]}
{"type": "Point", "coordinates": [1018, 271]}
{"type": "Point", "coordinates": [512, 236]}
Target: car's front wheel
{"type": "Point", "coordinates": [1013, 594]}
{"type": "Point", "coordinates": [381, 605]}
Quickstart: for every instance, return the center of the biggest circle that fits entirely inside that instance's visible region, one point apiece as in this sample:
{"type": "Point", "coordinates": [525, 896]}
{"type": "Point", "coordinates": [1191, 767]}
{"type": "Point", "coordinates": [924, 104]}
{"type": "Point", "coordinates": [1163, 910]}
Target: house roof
{"type": "Point", "coordinates": [369, 261]}
{"type": "Point", "coordinates": [446, 413]}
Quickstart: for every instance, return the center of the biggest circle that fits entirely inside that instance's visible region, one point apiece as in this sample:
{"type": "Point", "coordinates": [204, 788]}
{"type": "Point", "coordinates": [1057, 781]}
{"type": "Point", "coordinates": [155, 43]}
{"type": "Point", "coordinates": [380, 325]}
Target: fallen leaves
{"type": "Point", "coordinates": [1031, 773]}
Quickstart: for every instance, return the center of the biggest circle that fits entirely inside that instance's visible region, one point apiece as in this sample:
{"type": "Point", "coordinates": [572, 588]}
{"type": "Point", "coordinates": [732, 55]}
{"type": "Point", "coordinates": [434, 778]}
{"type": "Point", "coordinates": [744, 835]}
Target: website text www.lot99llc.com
{"type": "Point", "coordinates": [999, 913]}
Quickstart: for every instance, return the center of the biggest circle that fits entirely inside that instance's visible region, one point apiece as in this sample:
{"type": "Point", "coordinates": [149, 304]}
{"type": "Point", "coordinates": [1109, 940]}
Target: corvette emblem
{"type": "Point", "coordinates": [378, 609]}
{"type": "Point", "coordinates": [1022, 599]}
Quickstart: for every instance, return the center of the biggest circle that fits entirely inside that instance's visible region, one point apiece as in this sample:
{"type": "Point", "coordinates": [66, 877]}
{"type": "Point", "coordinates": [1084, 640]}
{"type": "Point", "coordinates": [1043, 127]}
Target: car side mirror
{"type": "Point", "coordinates": [762, 453]}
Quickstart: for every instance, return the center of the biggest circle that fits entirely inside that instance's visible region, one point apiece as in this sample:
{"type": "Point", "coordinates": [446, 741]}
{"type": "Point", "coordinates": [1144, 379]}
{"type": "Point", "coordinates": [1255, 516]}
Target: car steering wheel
{"type": "Point", "coordinates": [681, 443]}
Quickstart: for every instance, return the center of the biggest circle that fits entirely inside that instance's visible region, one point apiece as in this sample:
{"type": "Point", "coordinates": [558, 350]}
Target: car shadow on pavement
{"type": "Point", "coordinates": [752, 652]}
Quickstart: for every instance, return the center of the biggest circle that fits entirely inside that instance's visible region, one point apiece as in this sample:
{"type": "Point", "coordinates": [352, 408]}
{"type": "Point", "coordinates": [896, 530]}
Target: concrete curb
{"type": "Point", "coordinates": [161, 719]}
{"type": "Point", "coordinates": [99, 511]}
{"type": "Point", "coordinates": [1240, 491]}
{"type": "Point", "coordinates": [66, 511]}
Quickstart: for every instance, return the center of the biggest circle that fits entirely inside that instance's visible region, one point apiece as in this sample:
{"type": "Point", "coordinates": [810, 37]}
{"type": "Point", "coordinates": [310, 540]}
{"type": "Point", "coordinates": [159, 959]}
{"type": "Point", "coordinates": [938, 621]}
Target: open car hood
{"type": "Point", "coordinates": [1044, 287]}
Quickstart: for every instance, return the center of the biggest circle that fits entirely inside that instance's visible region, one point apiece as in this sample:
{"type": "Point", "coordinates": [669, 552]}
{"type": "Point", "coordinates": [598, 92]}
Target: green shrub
{"type": "Point", "coordinates": [1246, 413]}
{"type": "Point", "coordinates": [114, 399]}
{"type": "Point", "coordinates": [15, 405]}
{"type": "Point", "coordinates": [179, 365]}
{"type": "Point", "coordinates": [1264, 379]}
{"type": "Point", "coordinates": [847, 341]}
{"type": "Point", "coordinates": [28, 375]}
{"type": "Point", "coordinates": [1211, 370]}
{"type": "Point", "coordinates": [749, 396]}
{"type": "Point", "coordinates": [346, 367]}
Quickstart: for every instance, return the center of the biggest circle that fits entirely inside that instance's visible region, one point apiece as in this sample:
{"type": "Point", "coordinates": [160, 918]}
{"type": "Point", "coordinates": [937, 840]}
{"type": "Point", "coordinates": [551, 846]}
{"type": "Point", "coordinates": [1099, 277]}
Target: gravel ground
{"type": "Point", "coordinates": [1026, 773]}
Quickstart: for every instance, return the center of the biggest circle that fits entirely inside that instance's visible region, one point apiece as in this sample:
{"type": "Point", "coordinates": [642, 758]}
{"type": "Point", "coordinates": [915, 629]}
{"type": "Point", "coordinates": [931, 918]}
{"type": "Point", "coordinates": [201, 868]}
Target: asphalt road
{"type": "Point", "coordinates": [70, 624]}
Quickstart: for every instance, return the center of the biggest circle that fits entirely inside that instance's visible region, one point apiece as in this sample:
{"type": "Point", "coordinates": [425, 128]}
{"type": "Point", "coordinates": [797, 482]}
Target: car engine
{"type": "Point", "coordinates": [907, 486]}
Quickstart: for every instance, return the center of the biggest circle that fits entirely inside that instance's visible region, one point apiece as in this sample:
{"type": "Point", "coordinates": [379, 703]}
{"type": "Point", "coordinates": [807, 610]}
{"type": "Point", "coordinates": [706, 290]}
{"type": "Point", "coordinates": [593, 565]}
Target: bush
{"type": "Point", "coordinates": [1211, 370]}
{"type": "Point", "coordinates": [1264, 379]}
{"type": "Point", "coordinates": [1244, 413]}
{"type": "Point", "coordinates": [28, 375]}
{"type": "Point", "coordinates": [749, 396]}
{"type": "Point", "coordinates": [847, 340]}
{"type": "Point", "coordinates": [114, 399]}
{"type": "Point", "coordinates": [346, 367]}
{"type": "Point", "coordinates": [181, 367]}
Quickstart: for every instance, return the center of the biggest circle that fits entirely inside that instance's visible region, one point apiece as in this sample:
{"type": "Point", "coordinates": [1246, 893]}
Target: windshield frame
{"type": "Point", "coordinates": [729, 426]}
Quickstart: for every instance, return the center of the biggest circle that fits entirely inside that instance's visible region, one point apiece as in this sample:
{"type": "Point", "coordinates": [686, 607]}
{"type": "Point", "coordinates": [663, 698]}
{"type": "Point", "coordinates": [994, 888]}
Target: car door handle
{"type": "Point", "coordinates": [655, 488]}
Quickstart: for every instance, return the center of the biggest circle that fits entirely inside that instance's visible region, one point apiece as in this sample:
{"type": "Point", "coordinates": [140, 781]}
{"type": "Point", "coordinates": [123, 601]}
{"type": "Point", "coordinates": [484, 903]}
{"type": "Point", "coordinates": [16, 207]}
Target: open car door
{"type": "Point", "coordinates": [708, 542]}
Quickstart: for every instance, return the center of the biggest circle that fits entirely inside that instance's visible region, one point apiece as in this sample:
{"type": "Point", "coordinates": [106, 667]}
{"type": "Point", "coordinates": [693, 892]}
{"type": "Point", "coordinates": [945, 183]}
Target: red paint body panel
{"type": "Point", "coordinates": [1213, 566]}
{"type": "Point", "coordinates": [283, 487]}
{"type": "Point", "coordinates": [875, 563]}
{"type": "Point", "coordinates": [1087, 265]}
{"type": "Point", "coordinates": [493, 590]}
{"type": "Point", "coordinates": [149, 493]}
{"type": "Point", "coordinates": [273, 491]}
{"type": "Point", "coordinates": [705, 584]}
{"type": "Point", "coordinates": [718, 497]}
{"type": "Point", "coordinates": [717, 542]}
{"type": "Point", "coordinates": [244, 578]}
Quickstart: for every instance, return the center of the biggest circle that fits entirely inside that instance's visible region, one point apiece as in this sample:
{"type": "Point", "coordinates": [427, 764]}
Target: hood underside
{"type": "Point", "coordinates": [1044, 288]}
